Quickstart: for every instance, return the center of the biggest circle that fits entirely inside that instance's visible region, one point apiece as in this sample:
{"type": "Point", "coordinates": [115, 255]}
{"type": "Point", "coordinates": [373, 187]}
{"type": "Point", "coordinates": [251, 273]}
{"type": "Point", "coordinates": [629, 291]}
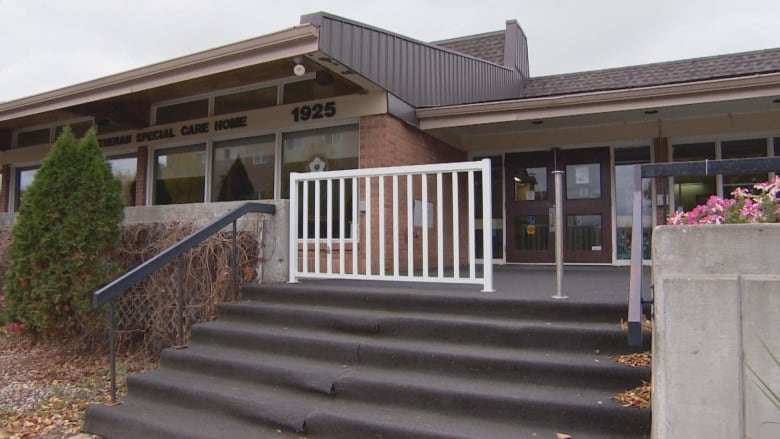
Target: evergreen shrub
{"type": "Point", "coordinates": [66, 229]}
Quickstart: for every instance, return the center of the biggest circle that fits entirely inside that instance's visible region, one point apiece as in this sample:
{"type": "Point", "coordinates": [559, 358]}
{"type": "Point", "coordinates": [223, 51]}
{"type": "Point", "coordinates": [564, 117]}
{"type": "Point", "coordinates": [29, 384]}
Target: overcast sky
{"type": "Point", "coordinates": [47, 44]}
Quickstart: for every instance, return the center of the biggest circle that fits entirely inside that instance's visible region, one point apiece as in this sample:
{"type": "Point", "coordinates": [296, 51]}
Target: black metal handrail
{"type": "Point", "coordinates": [117, 287]}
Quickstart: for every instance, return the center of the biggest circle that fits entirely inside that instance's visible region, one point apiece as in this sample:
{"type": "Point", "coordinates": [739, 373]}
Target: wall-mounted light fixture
{"type": "Point", "coordinates": [299, 69]}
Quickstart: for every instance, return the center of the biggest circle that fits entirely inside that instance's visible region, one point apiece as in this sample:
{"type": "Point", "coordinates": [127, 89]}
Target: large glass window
{"type": "Point", "coordinates": [736, 149]}
{"type": "Point", "coordinates": [125, 168]}
{"type": "Point", "coordinates": [325, 85]}
{"type": "Point", "coordinates": [24, 178]}
{"type": "Point", "coordinates": [180, 175]}
{"type": "Point", "coordinates": [324, 149]}
{"type": "Point", "coordinates": [689, 192]}
{"type": "Point", "coordinates": [245, 100]}
{"type": "Point", "coordinates": [79, 129]}
{"type": "Point", "coordinates": [625, 158]}
{"type": "Point", "coordinates": [34, 137]}
{"type": "Point", "coordinates": [243, 169]}
{"type": "Point", "coordinates": [183, 111]}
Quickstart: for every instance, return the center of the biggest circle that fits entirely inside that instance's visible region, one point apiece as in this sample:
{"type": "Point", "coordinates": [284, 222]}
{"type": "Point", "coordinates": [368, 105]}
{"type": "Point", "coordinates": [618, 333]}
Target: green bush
{"type": "Point", "coordinates": [66, 229]}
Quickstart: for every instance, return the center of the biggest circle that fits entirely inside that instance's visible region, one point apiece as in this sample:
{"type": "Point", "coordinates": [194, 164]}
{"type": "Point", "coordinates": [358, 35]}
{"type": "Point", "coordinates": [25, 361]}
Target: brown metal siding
{"type": "Point", "coordinates": [421, 74]}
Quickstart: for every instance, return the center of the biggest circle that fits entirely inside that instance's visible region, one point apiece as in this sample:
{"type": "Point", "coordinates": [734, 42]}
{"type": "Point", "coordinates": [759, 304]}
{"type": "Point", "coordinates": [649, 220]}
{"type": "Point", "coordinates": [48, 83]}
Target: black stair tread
{"type": "Point", "coordinates": [362, 346]}
{"type": "Point", "coordinates": [379, 316]}
{"type": "Point", "coordinates": [212, 394]}
{"type": "Point", "coordinates": [348, 419]}
{"type": "Point", "coordinates": [481, 386]}
{"type": "Point", "coordinates": [275, 405]}
{"type": "Point", "coordinates": [453, 297]}
{"type": "Point", "coordinates": [464, 329]}
{"type": "Point", "coordinates": [148, 419]}
{"type": "Point", "coordinates": [320, 376]}
{"type": "Point", "coordinates": [256, 366]}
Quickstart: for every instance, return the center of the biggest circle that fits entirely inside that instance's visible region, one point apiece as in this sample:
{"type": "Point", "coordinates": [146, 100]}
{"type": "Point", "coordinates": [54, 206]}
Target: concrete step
{"type": "Point", "coordinates": [363, 360]}
{"type": "Point", "coordinates": [435, 325]}
{"type": "Point", "coordinates": [254, 343]}
{"type": "Point", "coordinates": [138, 418]}
{"type": "Point", "coordinates": [446, 299]}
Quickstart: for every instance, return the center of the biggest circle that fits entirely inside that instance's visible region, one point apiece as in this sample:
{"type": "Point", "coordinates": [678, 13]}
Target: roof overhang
{"type": "Point", "coordinates": [298, 40]}
{"type": "Point", "coordinates": [760, 89]}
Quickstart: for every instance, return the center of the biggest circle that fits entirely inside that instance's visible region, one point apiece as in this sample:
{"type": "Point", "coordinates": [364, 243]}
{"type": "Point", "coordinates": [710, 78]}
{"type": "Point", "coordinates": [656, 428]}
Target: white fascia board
{"type": "Point", "coordinates": [601, 102]}
{"type": "Point", "coordinates": [298, 40]}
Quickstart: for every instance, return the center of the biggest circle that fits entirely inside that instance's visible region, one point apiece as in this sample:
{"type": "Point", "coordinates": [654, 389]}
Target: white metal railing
{"type": "Point", "coordinates": [334, 204]}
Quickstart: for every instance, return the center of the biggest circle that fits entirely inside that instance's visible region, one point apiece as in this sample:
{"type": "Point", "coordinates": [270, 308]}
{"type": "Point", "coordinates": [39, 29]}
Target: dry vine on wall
{"type": "Point", "coordinates": [147, 314]}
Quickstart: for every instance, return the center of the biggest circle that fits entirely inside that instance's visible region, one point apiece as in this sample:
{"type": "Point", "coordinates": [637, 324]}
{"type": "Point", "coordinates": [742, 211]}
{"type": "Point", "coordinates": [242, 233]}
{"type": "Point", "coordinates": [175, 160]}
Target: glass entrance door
{"type": "Point", "coordinates": [586, 206]}
{"type": "Point", "coordinates": [529, 197]}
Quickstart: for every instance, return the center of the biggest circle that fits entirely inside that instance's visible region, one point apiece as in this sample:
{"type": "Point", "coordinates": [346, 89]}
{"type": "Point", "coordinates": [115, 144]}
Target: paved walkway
{"type": "Point", "coordinates": [599, 284]}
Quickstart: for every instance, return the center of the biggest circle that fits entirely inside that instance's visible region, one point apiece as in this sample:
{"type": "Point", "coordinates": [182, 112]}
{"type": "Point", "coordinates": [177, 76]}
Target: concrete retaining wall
{"type": "Point", "coordinates": [717, 299]}
{"type": "Point", "coordinates": [273, 230]}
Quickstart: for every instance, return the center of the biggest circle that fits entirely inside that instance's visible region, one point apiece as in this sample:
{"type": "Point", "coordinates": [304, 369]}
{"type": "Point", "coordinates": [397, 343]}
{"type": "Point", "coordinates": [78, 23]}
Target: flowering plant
{"type": "Point", "coordinates": [746, 207]}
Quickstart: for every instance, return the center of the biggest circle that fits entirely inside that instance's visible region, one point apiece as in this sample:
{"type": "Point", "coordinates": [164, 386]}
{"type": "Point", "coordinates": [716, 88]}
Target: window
{"type": "Point", "coordinates": [625, 158]}
{"type": "Point", "coordinates": [35, 137]}
{"type": "Point", "coordinates": [180, 175]}
{"type": "Point", "coordinates": [180, 112]}
{"type": "Point", "coordinates": [24, 178]}
{"type": "Point", "coordinates": [47, 135]}
{"type": "Point", "coordinates": [79, 129]}
{"type": "Point", "coordinates": [583, 232]}
{"type": "Point", "coordinates": [583, 181]}
{"type": "Point", "coordinates": [324, 149]}
{"type": "Point", "coordinates": [689, 192]}
{"type": "Point", "coordinates": [243, 169]}
{"type": "Point", "coordinates": [245, 100]}
{"type": "Point", "coordinates": [324, 85]}
{"type": "Point", "coordinates": [125, 168]}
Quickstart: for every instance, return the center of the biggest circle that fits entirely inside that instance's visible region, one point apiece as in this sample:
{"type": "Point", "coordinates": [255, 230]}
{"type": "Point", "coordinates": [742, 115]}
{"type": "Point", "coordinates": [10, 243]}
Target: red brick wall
{"type": "Point", "coordinates": [140, 175]}
{"type": "Point", "coordinates": [387, 141]}
{"type": "Point", "coordinates": [661, 155]}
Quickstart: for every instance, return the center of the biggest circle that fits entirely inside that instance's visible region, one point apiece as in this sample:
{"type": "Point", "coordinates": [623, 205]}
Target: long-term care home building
{"type": "Point", "coordinates": [232, 123]}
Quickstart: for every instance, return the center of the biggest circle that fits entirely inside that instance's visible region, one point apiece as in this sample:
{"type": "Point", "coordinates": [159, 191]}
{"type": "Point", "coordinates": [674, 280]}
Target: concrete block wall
{"type": "Point", "coordinates": [717, 302]}
{"type": "Point", "coordinates": [272, 230]}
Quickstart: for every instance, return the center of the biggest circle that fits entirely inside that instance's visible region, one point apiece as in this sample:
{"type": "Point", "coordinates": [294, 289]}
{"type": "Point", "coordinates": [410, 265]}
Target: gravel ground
{"type": "Point", "coordinates": [44, 388]}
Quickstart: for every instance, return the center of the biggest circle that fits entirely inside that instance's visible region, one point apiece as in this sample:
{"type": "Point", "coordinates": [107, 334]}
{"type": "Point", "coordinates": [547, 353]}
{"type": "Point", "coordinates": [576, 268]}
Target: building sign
{"type": "Point", "coordinates": [262, 119]}
{"type": "Point", "coordinates": [187, 129]}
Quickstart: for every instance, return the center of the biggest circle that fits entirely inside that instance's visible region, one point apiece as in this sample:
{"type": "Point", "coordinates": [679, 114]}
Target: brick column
{"type": "Point", "coordinates": [388, 141]}
{"type": "Point", "coordinates": [661, 154]}
{"type": "Point", "coordinates": [142, 168]}
{"type": "Point", "coordinates": [6, 187]}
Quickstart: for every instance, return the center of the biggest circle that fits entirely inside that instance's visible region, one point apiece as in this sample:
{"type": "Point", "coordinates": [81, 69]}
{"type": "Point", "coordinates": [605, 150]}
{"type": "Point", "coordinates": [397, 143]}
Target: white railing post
{"type": "Point", "coordinates": [409, 227]}
{"type": "Point", "coordinates": [302, 193]}
{"type": "Point", "coordinates": [487, 227]}
{"type": "Point", "coordinates": [292, 276]}
{"type": "Point", "coordinates": [455, 227]}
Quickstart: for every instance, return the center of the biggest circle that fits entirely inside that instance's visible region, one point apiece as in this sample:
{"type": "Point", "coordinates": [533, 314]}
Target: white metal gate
{"type": "Point", "coordinates": [349, 225]}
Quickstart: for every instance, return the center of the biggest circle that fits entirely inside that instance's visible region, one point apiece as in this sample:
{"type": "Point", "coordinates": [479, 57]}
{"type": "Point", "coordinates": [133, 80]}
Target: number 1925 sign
{"type": "Point", "coordinates": [313, 111]}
